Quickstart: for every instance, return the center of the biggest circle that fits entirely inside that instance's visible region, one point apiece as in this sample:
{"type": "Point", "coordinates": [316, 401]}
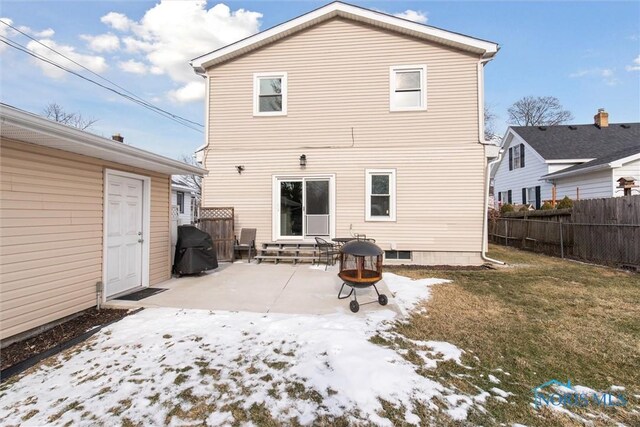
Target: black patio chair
{"type": "Point", "coordinates": [328, 251]}
{"type": "Point", "coordinates": [246, 243]}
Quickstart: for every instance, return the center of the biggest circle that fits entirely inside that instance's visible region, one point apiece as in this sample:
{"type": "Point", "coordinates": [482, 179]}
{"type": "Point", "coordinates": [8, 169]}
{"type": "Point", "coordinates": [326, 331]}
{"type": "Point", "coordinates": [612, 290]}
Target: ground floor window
{"type": "Point", "coordinates": [381, 195]}
{"type": "Point", "coordinates": [406, 255]}
{"type": "Point", "coordinates": [180, 201]}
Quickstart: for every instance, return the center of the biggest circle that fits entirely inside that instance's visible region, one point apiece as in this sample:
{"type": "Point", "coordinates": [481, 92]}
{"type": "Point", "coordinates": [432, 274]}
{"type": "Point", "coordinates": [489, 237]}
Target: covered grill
{"type": "Point", "coordinates": [360, 267]}
{"type": "Point", "coordinates": [194, 251]}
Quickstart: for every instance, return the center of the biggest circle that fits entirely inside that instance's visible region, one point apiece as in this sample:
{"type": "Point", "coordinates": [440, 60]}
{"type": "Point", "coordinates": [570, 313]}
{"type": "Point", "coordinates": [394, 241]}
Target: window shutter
{"type": "Point", "coordinates": [538, 198]}
{"type": "Point", "coordinates": [524, 196]}
{"type": "Point", "coordinates": [500, 196]}
{"type": "Point", "coordinates": [510, 158]}
{"type": "Point", "coordinates": [509, 197]}
{"type": "Point", "coordinates": [521, 155]}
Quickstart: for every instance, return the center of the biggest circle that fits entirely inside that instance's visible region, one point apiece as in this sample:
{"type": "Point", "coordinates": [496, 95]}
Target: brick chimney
{"type": "Point", "coordinates": [120, 138]}
{"type": "Point", "coordinates": [601, 119]}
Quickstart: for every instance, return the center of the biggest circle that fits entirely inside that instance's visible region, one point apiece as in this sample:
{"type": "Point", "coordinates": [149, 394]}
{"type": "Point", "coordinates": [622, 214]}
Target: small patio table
{"type": "Point", "coordinates": [342, 240]}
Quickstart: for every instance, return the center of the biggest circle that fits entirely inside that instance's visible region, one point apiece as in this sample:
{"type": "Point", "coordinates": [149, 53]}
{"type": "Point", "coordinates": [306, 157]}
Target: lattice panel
{"type": "Point", "coordinates": [175, 212]}
{"type": "Point", "coordinates": [216, 213]}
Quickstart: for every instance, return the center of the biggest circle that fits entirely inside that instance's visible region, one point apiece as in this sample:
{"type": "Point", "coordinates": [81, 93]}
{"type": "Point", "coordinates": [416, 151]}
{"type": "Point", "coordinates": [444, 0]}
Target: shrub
{"type": "Point", "coordinates": [546, 206]}
{"type": "Point", "coordinates": [507, 207]}
{"type": "Point", "coordinates": [565, 203]}
{"type": "Point", "coordinates": [524, 208]}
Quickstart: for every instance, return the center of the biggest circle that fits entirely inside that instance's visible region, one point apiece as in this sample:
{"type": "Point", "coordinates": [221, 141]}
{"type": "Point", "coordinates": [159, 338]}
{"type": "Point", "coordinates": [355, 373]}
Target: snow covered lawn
{"type": "Point", "coordinates": [168, 366]}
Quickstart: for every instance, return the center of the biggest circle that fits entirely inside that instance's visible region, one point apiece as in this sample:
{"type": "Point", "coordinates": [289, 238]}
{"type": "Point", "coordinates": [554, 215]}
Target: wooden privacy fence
{"type": "Point", "coordinates": [218, 222]}
{"type": "Point", "coordinates": [604, 231]}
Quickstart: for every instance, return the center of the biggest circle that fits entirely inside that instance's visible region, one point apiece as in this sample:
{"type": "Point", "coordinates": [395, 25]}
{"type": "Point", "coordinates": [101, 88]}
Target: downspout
{"type": "Point", "coordinates": [481, 140]}
{"type": "Point", "coordinates": [485, 219]}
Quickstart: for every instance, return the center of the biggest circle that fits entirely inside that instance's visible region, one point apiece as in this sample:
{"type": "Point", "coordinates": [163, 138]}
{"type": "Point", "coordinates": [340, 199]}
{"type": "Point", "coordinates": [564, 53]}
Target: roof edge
{"type": "Point", "coordinates": [26, 120]}
{"type": "Point", "coordinates": [484, 47]}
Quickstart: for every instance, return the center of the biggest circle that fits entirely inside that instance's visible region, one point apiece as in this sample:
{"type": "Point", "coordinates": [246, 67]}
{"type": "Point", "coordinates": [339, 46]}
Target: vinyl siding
{"type": "Point", "coordinates": [526, 177]}
{"type": "Point", "coordinates": [591, 185]}
{"type": "Point", "coordinates": [51, 208]}
{"type": "Point", "coordinates": [628, 169]}
{"type": "Point", "coordinates": [338, 116]}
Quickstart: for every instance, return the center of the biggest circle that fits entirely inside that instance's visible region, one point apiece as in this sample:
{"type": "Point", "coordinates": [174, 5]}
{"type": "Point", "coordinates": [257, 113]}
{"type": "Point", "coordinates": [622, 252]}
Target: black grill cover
{"type": "Point", "coordinates": [195, 252]}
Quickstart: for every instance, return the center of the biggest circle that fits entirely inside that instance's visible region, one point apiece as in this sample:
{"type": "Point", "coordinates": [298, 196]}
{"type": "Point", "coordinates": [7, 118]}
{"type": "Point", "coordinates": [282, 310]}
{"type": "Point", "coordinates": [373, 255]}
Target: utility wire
{"type": "Point", "coordinates": [132, 96]}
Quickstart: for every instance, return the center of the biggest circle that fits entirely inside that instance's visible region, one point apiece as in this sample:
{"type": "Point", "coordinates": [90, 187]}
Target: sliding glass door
{"type": "Point", "coordinates": [304, 208]}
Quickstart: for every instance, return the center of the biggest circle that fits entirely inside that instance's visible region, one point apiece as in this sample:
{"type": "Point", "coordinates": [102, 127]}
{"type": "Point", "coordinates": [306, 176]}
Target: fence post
{"type": "Point", "coordinates": [506, 232]}
{"type": "Point", "coordinates": [561, 241]}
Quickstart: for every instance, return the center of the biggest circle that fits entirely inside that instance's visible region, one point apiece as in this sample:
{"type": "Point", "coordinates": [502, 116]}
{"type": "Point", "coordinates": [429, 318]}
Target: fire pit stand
{"type": "Point", "coordinates": [360, 267]}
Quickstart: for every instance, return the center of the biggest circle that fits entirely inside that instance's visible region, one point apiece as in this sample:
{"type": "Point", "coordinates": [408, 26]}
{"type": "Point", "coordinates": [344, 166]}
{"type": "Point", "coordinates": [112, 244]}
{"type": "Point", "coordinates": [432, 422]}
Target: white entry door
{"type": "Point", "coordinates": [124, 234]}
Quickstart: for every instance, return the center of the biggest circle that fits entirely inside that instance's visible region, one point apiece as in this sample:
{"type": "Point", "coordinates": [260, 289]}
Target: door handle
{"type": "Point", "coordinates": [140, 240]}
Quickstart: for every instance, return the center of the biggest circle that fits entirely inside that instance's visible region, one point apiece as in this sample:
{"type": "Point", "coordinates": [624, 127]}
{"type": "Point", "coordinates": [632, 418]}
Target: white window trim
{"type": "Point", "coordinates": [256, 93]}
{"type": "Point", "coordinates": [392, 86]}
{"type": "Point", "coordinates": [392, 194]}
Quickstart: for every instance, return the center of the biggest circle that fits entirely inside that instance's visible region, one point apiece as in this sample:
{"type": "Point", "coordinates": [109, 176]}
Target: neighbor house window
{"type": "Point", "coordinates": [504, 197]}
{"type": "Point", "coordinates": [180, 201]}
{"type": "Point", "coordinates": [516, 157]}
{"type": "Point", "coordinates": [381, 195]}
{"type": "Point", "coordinates": [270, 94]}
{"type": "Point", "coordinates": [408, 89]}
{"type": "Point", "coordinates": [402, 255]}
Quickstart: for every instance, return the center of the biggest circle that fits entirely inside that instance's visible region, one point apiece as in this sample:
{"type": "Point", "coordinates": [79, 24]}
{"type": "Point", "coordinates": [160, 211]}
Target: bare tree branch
{"type": "Point", "coordinates": [538, 111]}
{"type": "Point", "coordinates": [57, 113]}
{"type": "Point", "coordinates": [192, 181]}
{"type": "Point", "coordinates": [489, 123]}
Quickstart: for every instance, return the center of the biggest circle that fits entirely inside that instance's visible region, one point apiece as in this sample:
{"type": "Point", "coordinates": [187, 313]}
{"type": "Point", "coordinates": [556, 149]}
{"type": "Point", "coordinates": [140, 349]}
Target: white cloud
{"type": "Point", "coordinates": [192, 91]}
{"type": "Point", "coordinates": [95, 63]}
{"type": "Point", "coordinates": [172, 33]}
{"type": "Point", "coordinates": [607, 74]}
{"type": "Point", "coordinates": [635, 66]}
{"type": "Point", "coordinates": [413, 15]}
{"type": "Point", "coordinates": [118, 21]}
{"type": "Point", "coordinates": [133, 66]}
{"type": "Point", "coordinates": [102, 43]}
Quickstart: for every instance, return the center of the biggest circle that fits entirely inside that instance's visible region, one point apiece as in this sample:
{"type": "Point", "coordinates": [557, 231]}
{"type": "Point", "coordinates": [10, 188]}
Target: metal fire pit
{"type": "Point", "coordinates": [360, 267]}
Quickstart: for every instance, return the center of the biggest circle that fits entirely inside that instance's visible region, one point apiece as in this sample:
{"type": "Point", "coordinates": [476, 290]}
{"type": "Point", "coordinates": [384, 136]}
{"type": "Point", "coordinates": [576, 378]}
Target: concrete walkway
{"type": "Point", "coordinates": [261, 288]}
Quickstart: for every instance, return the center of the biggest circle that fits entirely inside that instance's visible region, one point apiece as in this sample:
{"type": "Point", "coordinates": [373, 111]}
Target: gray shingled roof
{"type": "Point", "coordinates": [621, 154]}
{"type": "Point", "coordinates": [580, 141]}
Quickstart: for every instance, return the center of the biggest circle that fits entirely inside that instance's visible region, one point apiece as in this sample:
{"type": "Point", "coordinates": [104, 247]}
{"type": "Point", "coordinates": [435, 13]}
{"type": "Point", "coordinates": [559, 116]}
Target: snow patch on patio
{"type": "Point", "coordinates": [169, 366]}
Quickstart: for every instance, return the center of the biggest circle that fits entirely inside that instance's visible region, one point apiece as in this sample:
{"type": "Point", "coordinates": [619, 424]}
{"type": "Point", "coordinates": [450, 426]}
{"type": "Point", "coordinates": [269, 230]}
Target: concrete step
{"type": "Point", "coordinates": [294, 258]}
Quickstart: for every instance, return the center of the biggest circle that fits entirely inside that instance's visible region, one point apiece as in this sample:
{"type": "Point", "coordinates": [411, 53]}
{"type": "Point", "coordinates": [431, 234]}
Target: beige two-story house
{"type": "Point", "coordinates": [349, 121]}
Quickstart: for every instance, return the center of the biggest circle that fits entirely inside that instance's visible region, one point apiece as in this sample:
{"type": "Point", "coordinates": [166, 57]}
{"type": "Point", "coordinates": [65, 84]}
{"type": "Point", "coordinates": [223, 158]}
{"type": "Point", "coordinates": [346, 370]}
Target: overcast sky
{"type": "Point", "coordinates": [585, 53]}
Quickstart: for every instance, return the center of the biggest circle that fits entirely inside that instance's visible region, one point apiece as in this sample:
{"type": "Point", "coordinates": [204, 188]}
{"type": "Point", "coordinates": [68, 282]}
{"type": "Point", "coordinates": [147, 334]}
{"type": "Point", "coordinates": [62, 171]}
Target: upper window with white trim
{"type": "Point", "coordinates": [381, 195]}
{"type": "Point", "coordinates": [270, 94]}
{"type": "Point", "coordinates": [408, 88]}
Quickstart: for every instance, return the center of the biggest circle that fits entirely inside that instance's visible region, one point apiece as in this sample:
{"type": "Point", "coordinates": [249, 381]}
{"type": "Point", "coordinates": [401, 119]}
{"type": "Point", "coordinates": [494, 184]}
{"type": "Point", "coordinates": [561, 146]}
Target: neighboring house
{"type": "Point", "coordinates": [183, 197]}
{"type": "Point", "coordinates": [578, 161]}
{"type": "Point", "coordinates": [347, 120]}
{"type": "Point", "coordinates": [76, 210]}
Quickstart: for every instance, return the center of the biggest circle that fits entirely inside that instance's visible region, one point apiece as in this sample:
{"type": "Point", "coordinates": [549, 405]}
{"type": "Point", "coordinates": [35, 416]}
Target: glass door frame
{"type": "Point", "coordinates": [276, 200]}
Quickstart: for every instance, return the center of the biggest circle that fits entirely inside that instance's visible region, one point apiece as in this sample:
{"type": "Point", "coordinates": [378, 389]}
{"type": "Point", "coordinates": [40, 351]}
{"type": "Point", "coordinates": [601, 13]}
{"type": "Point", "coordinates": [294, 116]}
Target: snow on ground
{"type": "Point", "coordinates": [494, 379]}
{"type": "Point", "coordinates": [170, 366]}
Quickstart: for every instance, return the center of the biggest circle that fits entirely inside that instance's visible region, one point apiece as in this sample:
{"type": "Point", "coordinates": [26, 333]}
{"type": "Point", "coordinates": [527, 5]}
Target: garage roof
{"type": "Point", "coordinates": [27, 127]}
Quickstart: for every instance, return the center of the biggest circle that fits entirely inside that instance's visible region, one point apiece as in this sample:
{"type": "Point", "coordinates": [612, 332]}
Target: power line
{"type": "Point", "coordinates": [131, 97]}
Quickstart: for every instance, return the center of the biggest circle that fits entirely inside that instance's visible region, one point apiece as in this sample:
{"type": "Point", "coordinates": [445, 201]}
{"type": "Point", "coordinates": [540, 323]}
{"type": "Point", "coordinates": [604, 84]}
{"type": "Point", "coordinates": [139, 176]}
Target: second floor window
{"type": "Point", "coordinates": [270, 94]}
{"type": "Point", "coordinates": [516, 157]}
{"type": "Point", "coordinates": [408, 88]}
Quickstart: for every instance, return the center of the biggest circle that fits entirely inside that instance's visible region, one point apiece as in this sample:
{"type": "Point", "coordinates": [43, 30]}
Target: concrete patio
{"type": "Point", "coordinates": [261, 288]}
